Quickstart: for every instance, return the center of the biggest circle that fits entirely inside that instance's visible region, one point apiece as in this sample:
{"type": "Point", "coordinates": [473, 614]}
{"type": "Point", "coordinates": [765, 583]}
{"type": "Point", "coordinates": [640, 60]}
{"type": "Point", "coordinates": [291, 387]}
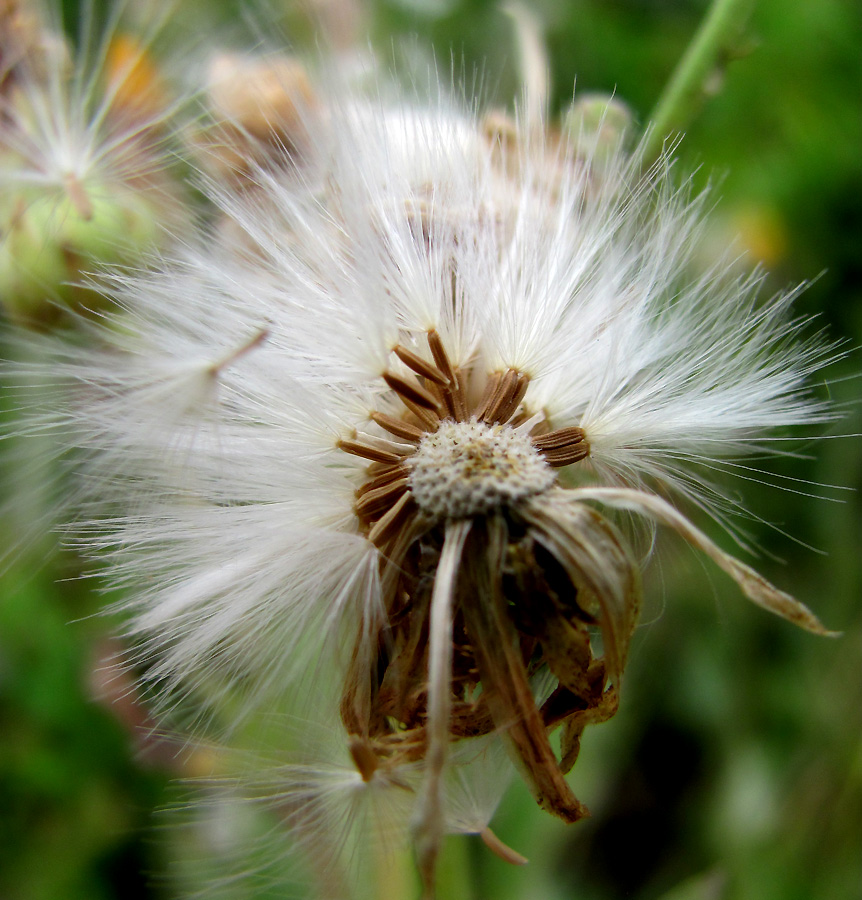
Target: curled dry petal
{"type": "Point", "coordinates": [502, 671]}
{"type": "Point", "coordinates": [754, 586]}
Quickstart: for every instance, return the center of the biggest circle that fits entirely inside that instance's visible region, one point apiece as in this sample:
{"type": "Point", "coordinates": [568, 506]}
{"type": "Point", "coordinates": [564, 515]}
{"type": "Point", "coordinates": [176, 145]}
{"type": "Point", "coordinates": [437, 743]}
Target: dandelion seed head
{"type": "Point", "coordinates": [340, 448]}
{"type": "Point", "coordinates": [83, 117]}
{"type": "Point", "coordinates": [87, 174]}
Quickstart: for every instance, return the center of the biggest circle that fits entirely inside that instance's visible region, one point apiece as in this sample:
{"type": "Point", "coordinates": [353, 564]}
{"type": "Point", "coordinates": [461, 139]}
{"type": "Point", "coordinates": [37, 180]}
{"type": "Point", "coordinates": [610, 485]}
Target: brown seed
{"type": "Point", "coordinates": [441, 358]}
{"type": "Point", "coordinates": [411, 391]}
{"type": "Point", "coordinates": [508, 407]}
{"type": "Point", "coordinates": [559, 438]}
{"type": "Point", "coordinates": [502, 396]}
{"type": "Point", "coordinates": [490, 392]}
{"type": "Point", "coordinates": [565, 456]}
{"type": "Point", "coordinates": [398, 427]}
{"type": "Point", "coordinates": [392, 522]}
{"type": "Point", "coordinates": [394, 473]}
{"type": "Point", "coordinates": [364, 758]}
{"type": "Point", "coordinates": [427, 419]}
{"type": "Point", "coordinates": [367, 451]}
{"type": "Point", "coordinates": [419, 365]}
{"type": "Point", "coordinates": [380, 498]}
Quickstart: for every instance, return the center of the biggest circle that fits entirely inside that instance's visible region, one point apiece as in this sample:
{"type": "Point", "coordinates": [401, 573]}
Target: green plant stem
{"type": "Point", "coordinates": [710, 48]}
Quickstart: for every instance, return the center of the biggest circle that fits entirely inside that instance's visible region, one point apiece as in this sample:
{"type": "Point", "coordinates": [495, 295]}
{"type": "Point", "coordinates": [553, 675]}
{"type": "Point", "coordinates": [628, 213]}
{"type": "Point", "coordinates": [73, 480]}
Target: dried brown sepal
{"type": "Point", "coordinates": [570, 744]}
{"type": "Point", "coordinates": [402, 692]}
{"type": "Point", "coordinates": [546, 606]}
{"type": "Point", "coordinates": [393, 556]}
{"type": "Point", "coordinates": [502, 671]}
{"type": "Point", "coordinates": [566, 645]}
{"type": "Point", "coordinates": [599, 564]}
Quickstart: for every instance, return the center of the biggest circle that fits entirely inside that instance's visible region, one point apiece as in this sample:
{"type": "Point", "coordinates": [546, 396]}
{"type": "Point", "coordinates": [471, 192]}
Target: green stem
{"type": "Point", "coordinates": [710, 48]}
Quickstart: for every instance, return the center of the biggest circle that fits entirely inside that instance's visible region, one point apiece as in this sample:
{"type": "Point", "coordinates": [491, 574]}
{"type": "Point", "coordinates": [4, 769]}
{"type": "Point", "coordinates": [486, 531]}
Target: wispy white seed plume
{"type": "Point", "coordinates": [86, 150]}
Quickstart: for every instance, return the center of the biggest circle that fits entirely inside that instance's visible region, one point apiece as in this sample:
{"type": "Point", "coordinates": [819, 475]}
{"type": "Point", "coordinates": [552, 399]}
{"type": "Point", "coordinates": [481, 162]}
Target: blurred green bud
{"type": "Point", "coordinates": [31, 268]}
{"type": "Point", "coordinates": [49, 244]}
{"type": "Point", "coordinates": [599, 125]}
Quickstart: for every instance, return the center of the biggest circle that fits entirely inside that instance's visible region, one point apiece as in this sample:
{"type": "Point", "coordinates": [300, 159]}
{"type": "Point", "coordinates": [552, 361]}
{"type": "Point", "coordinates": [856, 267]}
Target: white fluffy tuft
{"type": "Point", "coordinates": [210, 414]}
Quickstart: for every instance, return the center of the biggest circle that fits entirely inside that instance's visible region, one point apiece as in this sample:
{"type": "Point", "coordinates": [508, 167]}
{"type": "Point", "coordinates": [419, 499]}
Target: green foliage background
{"type": "Point", "coordinates": [734, 767]}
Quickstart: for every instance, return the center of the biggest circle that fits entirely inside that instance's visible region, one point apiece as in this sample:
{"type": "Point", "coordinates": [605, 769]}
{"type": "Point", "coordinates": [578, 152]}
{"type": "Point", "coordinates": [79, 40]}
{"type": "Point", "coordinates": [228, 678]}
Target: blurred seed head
{"type": "Point", "coordinates": [85, 164]}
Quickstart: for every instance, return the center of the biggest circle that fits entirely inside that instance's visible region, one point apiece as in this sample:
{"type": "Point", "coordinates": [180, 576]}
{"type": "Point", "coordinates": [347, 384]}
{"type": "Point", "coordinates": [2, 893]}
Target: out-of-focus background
{"type": "Point", "coordinates": [734, 767]}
